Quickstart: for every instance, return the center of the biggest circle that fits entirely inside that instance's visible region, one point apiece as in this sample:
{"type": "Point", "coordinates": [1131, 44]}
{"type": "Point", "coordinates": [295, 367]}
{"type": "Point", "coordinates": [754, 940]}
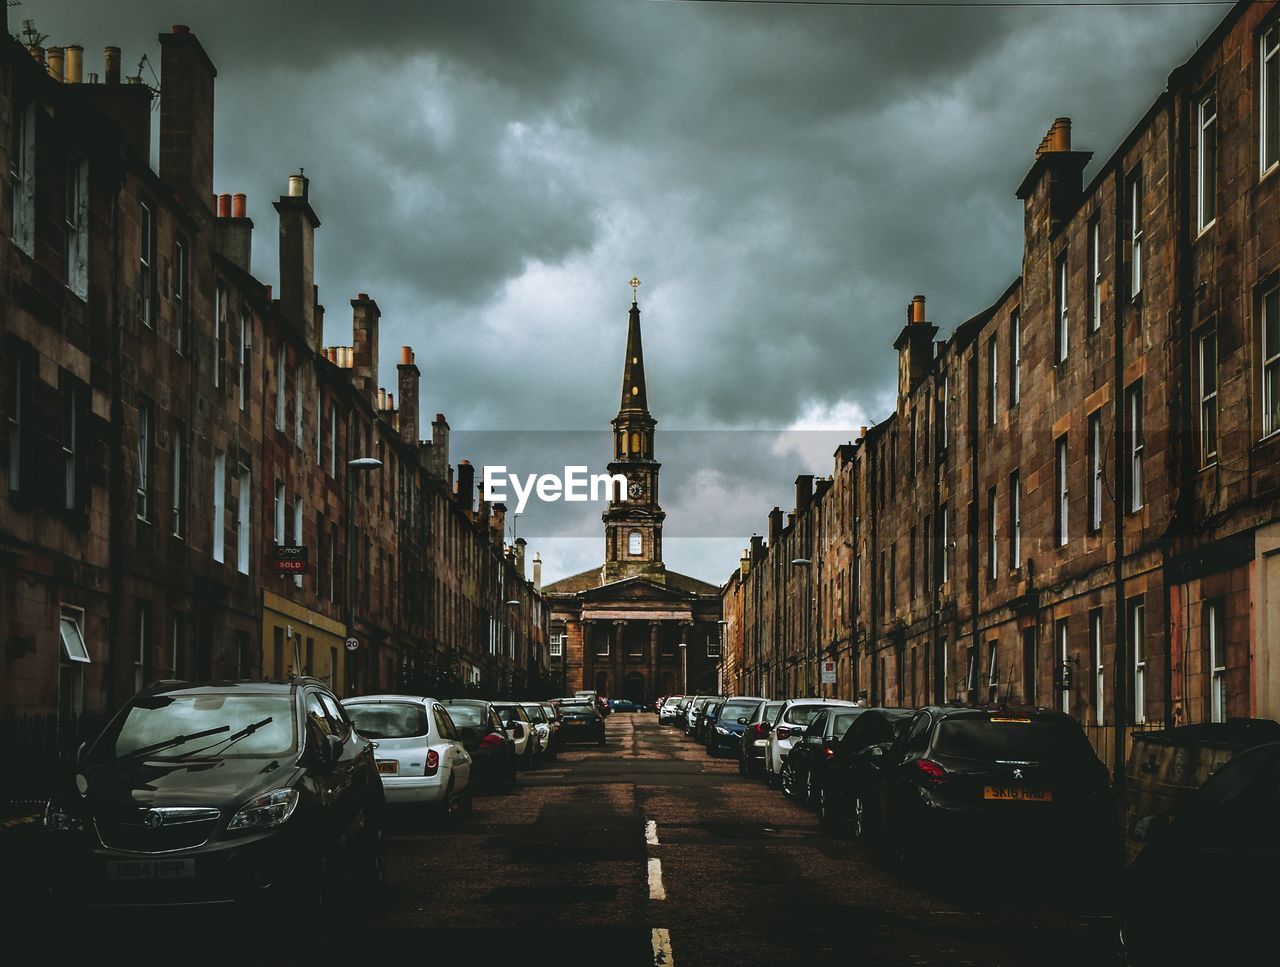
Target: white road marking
{"type": "Point", "coordinates": [656, 889]}
{"type": "Point", "coordinates": [662, 956]}
{"type": "Point", "coordinates": [651, 833]}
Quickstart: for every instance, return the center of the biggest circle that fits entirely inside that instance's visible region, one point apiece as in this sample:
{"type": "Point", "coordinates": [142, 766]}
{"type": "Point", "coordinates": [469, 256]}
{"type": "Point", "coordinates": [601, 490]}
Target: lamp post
{"type": "Point", "coordinates": [684, 668]}
{"type": "Point", "coordinates": [358, 465]}
{"type": "Point", "coordinates": [513, 603]}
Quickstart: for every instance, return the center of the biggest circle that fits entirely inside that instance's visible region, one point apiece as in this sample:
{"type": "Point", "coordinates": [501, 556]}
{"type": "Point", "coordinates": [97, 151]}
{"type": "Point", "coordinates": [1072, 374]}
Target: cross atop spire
{"type": "Point", "coordinates": [635, 284]}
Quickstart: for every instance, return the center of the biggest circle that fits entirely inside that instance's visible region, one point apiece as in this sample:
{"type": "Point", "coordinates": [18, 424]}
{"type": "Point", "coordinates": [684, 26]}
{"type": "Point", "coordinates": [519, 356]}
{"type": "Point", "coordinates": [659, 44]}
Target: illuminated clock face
{"type": "Point", "coordinates": [636, 490]}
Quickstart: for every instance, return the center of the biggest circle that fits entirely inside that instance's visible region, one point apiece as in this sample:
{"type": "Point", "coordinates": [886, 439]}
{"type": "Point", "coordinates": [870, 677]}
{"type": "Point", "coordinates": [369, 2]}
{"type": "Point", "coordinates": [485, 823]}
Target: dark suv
{"type": "Point", "coordinates": [217, 792]}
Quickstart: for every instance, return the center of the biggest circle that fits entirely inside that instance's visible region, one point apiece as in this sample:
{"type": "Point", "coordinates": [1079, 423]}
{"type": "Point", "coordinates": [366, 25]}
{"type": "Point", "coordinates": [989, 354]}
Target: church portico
{"type": "Point", "coordinates": [622, 625]}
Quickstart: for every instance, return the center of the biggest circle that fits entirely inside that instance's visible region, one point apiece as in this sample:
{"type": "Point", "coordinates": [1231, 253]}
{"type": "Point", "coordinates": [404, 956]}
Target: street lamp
{"type": "Point", "coordinates": [684, 668]}
{"type": "Point", "coordinates": [358, 465]}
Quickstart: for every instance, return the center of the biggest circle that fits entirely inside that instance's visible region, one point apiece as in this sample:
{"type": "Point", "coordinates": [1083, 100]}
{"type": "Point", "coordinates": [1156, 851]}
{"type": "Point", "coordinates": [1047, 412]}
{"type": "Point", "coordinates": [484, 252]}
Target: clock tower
{"type": "Point", "coordinates": [633, 527]}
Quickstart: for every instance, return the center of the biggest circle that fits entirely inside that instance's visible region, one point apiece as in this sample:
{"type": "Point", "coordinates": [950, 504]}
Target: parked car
{"type": "Point", "coordinates": [755, 738]}
{"type": "Point", "coordinates": [1024, 780]}
{"type": "Point", "coordinates": [1204, 883]}
{"type": "Point", "coordinates": [418, 750]}
{"type": "Point", "coordinates": [842, 798]}
{"type": "Point", "coordinates": [207, 793]}
{"type": "Point", "coordinates": [545, 725]}
{"type": "Point", "coordinates": [523, 734]}
{"type": "Point", "coordinates": [623, 705]}
{"type": "Point", "coordinates": [692, 712]}
{"type": "Point", "coordinates": [581, 721]}
{"type": "Point", "coordinates": [705, 718]}
{"type": "Point", "coordinates": [493, 753]}
{"type": "Point", "coordinates": [669, 710]}
{"type": "Point", "coordinates": [805, 768]}
{"type": "Point", "coordinates": [725, 733]}
{"type": "Point", "coordinates": [792, 720]}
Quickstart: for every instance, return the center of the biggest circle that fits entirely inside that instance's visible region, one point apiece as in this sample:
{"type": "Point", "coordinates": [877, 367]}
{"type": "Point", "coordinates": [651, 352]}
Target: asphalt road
{"type": "Point", "coordinates": [641, 852]}
{"type": "Point", "coordinates": [648, 852]}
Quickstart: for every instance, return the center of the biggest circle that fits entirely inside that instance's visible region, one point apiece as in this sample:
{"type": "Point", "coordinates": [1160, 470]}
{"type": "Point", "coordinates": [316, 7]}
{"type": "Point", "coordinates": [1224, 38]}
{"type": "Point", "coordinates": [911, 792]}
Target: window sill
{"type": "Point", "coordinates": [1205, 230]}
{"type": "Point", "coordinates": [1271, 170]}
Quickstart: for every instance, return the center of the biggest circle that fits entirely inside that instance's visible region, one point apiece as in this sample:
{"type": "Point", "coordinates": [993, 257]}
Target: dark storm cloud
{"type": "Point", "coordinates": [782, 178]}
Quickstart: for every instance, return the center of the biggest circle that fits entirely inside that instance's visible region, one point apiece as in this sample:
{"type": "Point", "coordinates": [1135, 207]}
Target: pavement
{"type": "Point", "coordinates": [647, 852]}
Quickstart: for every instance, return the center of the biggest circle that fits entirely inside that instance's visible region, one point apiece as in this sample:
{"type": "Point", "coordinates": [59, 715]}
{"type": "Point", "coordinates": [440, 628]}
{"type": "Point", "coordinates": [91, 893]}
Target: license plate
{"type": "Point", "coordinates": [1017, 794]}
{"type": "Point", "coordinates": [151, 869]}
{"type": "Point", "coordinates": [388, 767]}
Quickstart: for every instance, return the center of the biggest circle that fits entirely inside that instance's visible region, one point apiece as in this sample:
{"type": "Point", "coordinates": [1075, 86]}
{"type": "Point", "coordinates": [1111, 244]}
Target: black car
{"type": "Point", "coordinates": [706, 718]}
{"type": "Point", "coordinates": [1204, 887]}
{"type": "Point", "coordinates": [842, 800]}
{"type": "Point", "coordinates": [804, 770]}
{"type": "Point", "coordinates": [1024, 782]}
{"type": "Point", "coordinates": [224, 791]}
{"type": "Point", "coordinates": [581, 721]}
{"type": "Point", "coordinates": [755, 737]}
{"type": "Point", "coordinates": [493, 753]}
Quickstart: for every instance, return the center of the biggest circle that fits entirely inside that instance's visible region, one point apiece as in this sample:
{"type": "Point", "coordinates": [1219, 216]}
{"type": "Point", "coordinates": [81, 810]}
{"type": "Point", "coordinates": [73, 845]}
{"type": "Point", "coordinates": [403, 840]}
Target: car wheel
{"type": "Point", "coordinates": [742, 766]}
{"type": "Point", "coordinates": [859, 818]}
{"type": "Point", "coordinates": [787, 780]}
{"type": "Point", "coordinates": [600, 740]}
{"type": "Point", "coordinates": [373, 866]}
{"type": "Point", "coordinates": [824, 807]}
{"type": "Point", "coordinates": [810, 790]}
{"type": "Point", "coordinates": [528, 756]}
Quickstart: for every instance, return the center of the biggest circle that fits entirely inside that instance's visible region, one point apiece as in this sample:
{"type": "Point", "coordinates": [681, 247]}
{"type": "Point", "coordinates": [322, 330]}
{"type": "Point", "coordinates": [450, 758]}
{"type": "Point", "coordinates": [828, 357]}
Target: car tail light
{"type": "Point", "coordinates": [783, 732]}
{"type": "Point", "coordinates": [433, 761]}
{"type": "Point", "coordinates": [827, 749]}
{"type": "Point", "coordinates": [491, 742]}
{"type": "Point", "coordinates": [930, 772]}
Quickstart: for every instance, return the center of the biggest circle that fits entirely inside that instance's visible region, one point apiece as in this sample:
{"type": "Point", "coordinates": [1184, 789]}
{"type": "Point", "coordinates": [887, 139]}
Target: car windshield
{"type": "Point", "coordinates": [389, 720]}
{"type": "Point", "coordinates": [737, 710]}
{"type": "Point", "coordinates": [188, 724]}
{"type": "Point", "coordinates": [466, 716]}
{"type": "Point", "coordinates": [1012, 738]}
{"type": "Point", "coordinates": [802, 714]}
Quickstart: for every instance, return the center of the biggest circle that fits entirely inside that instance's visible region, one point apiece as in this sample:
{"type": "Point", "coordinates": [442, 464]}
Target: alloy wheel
{"type": "Point", "coordinates": [788, 780]}
{"type": "Point", "coordinates": [859, 817]}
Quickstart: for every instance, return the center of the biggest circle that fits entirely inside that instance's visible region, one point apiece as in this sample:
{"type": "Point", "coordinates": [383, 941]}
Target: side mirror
{"type": "Point", "coordinates": [742, 721]}
{"type": "Point", "coordinates": [876, 750]}
{"type": "Point", "coordinates": [1150, 829]}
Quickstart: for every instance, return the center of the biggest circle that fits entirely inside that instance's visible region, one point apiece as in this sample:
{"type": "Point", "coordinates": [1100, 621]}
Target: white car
{"type": "Point", "coordinates": [793, 719]}
{"type": "Point", "coordinates": [520, 728]}
{"type": "Point", "coordinates": [419, 751]}
{"type": "Point", "coordinates": [544, 726]}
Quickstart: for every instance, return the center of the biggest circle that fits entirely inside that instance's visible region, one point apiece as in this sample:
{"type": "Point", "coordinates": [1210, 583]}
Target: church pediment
{"type": "Point", "coordinates": [635, 589]}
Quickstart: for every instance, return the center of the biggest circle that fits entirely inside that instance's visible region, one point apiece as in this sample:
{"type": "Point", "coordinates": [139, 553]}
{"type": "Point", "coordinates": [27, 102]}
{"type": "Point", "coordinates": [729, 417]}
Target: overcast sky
{"type": "Point", "coordinates": [783, 179]}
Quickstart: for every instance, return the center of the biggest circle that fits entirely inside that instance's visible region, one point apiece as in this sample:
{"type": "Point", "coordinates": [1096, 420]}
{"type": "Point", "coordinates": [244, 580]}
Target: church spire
{"type": "Point", "coordinates": [634, 394]}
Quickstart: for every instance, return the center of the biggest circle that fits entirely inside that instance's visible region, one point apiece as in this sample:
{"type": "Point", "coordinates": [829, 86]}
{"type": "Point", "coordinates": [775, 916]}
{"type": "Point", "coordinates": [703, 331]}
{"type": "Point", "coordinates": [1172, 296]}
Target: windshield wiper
{"type": "Point", "coordinates": [170, 743]}
{"type": "Point", "coordinates": [230, 740]}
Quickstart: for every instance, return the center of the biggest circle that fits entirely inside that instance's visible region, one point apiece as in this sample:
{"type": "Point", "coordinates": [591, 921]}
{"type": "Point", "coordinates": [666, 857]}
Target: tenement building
{"type": "Point", "coordinates": [1076, 500]}
{"type": "Point", "coordinates": [633, 628]}
{"type": "Point", "coordinates": [194, 485]}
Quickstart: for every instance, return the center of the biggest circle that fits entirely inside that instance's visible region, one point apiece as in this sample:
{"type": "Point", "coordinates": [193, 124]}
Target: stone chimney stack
{"type": "Point", "coordinates": [537, 570]}
{"type": "Point", "coordinates": [466, 493]}
{"type": "Point", "coordinates": [521, 543]}
{"type": "Point", "coordinates": [410, 377]}
{"type": "Point", "coordinates": [233, 230]}
{"type": "Point", "coordinates": [804, 492]}
{"type": "Point", "coordinates": [915, 348]}
{"type": "Point", "coordinates": [1051, 190]}
{"type": "Point", "coordinates": [757, 547]}
{"type": "Point", "coordinates": [186, 116]}
{"type": "Point", "coordinates": [439, 459]}
{"type": "Point", "coordinates": [775, 525]}
{"type": "Point", "coordinates": [364, 344]}
{"type": "Point", "coordinates": [298, 224]}
{"type": "Point", "coordinates": [111, 65]}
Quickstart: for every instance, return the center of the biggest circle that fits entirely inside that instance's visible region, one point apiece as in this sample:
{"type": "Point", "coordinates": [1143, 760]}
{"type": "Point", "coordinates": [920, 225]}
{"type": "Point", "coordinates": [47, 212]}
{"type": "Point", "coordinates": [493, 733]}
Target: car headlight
{"type": "Point", "coordinates": [721, 731]}
{"type": "Point", "coordinates": [266, 811]}
{"type": "Point", "coordinates": [59, 820]}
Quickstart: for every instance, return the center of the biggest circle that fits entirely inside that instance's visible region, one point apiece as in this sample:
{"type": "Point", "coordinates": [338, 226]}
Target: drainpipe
{"type": "Point", "coordinates": [1119, 699]}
